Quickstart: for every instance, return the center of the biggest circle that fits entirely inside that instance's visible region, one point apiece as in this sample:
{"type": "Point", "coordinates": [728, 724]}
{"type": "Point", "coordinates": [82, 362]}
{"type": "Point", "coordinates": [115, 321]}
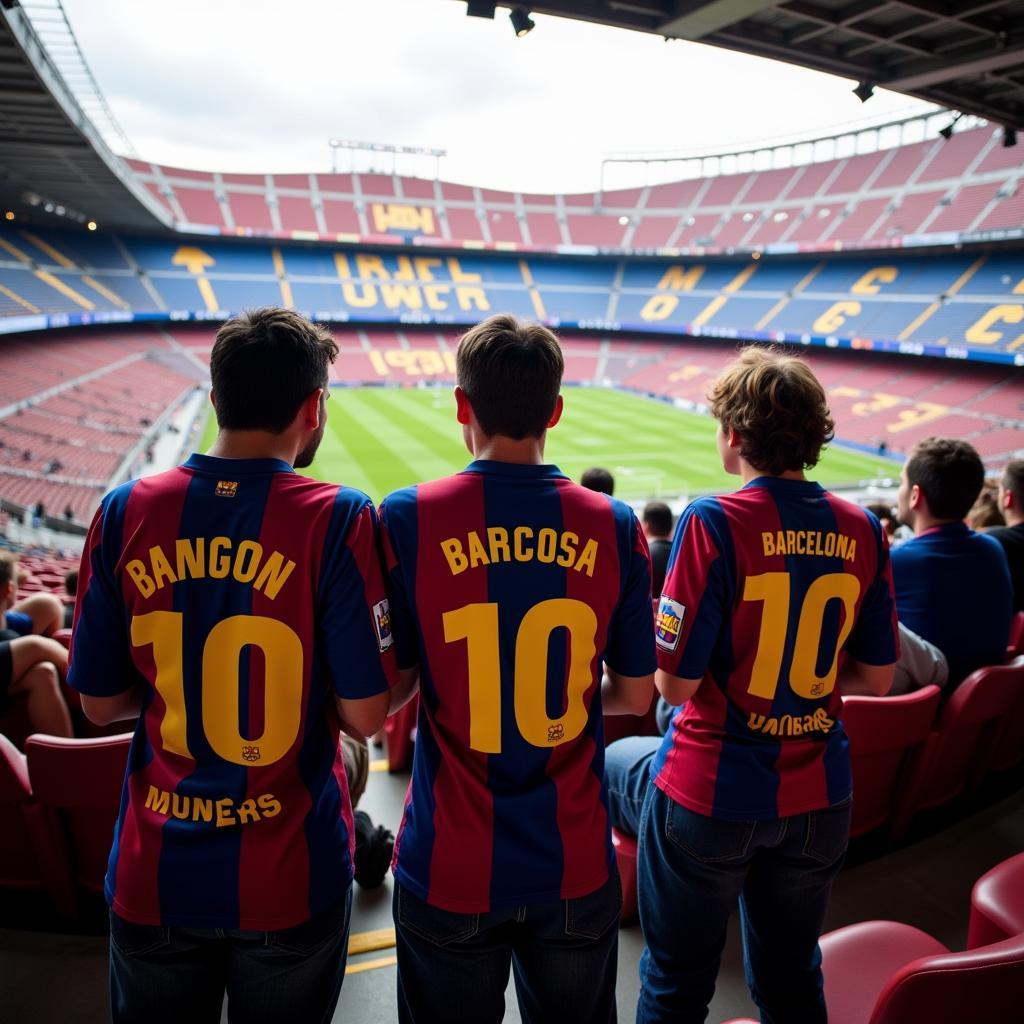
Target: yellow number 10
{"type": "Point", "coordinates": [772, 588]}
{"type": "Point", "coordinates": [477, 624]}
{"type": "Point", "coordinates": [282, 657]}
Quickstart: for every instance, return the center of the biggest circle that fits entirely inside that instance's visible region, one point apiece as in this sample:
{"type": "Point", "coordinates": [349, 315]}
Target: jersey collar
{"type": "Point", "coordinates": [542, 471]}
{"type": "Point", "coordinates": [235, 467]}
{"type": "Point", "coordinates": [781, 483]}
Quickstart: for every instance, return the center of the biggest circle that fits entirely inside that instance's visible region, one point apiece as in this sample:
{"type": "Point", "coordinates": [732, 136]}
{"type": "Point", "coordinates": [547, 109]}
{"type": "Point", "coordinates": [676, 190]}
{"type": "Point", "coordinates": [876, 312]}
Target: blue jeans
{"type": "Point", "coordinates": [453, 968]}
{"type": "Point", "coordinates": [627, 774]}
{"type": "Point", "coordinates": [180, 975]}
{"type": "Point", "coordinates": [692, 872]}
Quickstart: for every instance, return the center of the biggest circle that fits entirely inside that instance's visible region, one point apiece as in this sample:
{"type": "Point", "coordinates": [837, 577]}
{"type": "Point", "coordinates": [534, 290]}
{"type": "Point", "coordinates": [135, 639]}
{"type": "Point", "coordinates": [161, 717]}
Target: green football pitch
{"type": "Point", "coordinates": [379, 439]}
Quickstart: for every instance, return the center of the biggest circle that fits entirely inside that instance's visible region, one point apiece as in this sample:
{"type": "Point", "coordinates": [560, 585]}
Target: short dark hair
{"type": "Point", "coordinates": [8, 568]}
{"type": "Point", "coordinates": [777, 407]}
{"type": "Point", "coordinates": [884, 514]}
{"type": "Point", "coordinates": [511, 372]}
{"type": "Point", "coordinates": [597, 478]}
{"type": "Point", "coordinates": [1013, 480]}
{"type": "Point", "coordinates": [265, 363]}
{"type": "Point", "coordinates": [658, 517]}
{"type": "Point", "coordinates": [950, 474]}
{"type": "Point", "coordinates": [71, 582]}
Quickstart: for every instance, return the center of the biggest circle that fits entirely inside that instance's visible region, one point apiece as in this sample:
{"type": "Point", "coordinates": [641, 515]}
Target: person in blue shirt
{"type": "Point", "coordinates": [952, 585]}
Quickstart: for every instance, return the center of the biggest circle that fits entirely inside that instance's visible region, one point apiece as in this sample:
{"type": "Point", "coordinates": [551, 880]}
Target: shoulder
{"type": "Point", "coordinates": [989, 544]}
{"type": "Point", "coordinates": [399, 504]}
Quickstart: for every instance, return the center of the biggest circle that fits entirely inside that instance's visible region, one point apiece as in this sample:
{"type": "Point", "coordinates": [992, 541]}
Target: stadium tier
{"type": "Point", "coordinates": [958, 303]}
{"type": "Point", "coordinates": [950, 190]}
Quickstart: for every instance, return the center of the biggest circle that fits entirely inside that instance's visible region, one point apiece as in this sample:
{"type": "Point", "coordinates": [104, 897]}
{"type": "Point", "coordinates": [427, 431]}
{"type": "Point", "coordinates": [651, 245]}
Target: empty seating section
{"type": "Point", "coordinates": [911, 179]}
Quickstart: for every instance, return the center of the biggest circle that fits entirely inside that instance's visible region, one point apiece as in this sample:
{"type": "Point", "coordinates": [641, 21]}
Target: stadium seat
{"type": "Point", "coordinates": [997, 904]}
{"type": "Point", "coordinates": [1009, 743]}
{"type": "Point", "coordinates": [883, 972]}
{"type": "Point", "coordinates": [625, 860]}
{"type": "Point", "coordinates": [63, 636]}
{"type": "Point", "coordinates": [78, 782]}
{"type": "Point", "coordinates": [400, 730]}
{"type": "Point", "coordinates": [19, 862]}
{"type": "Point", "coordinates": [1016, 645]}
{"type": "Point", "coordinates": [959, 750]}
{"type": "Point", "coordinates": [886, 733]}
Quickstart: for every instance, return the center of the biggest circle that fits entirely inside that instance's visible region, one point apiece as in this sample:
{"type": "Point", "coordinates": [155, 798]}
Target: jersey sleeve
{"type": "Point", "coordinates": [875, 638]}
{"type": "Point", "coordinates": [100, 663]}
{"type": "Point", "coordinates": [20, 622]}
{"type": "Point", "coordinates": [406, 646]}
{"type": "Point", "coordinates": [355, 618]}
{"type": "Point", "coordinates": [630, 645]}
{"type": "Point", "coordinates": [694, 600]}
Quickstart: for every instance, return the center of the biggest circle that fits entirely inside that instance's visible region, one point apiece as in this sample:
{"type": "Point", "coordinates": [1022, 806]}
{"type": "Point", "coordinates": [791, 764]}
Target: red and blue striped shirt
{"type": "Point", "coordinates": [243, 598]}
{"type": "Point", "coordinates": [511, 585]}
{"type": "Point", "coordinates": [767, 590]}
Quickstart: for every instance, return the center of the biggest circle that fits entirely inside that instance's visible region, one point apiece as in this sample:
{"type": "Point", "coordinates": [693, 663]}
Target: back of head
{"type": "Point", "coordinates": [71, 582]}
{"type": "Point", "coordinates": [511, 372]}
{"type": "Point", "coordinates": [264, 364]}
{"type": "Point", "coordinates": [1013, 482]}
{"type": "Point", "coordinates": [597, 478]}
{"type": "Point", "coordinates": [949, 473]}
{"type": "Point", "coordinates": [8, 568]}
{"type": "Point", "coordinates": [657, 518]}
{"type": "Point", "coordinates": [777, 407]}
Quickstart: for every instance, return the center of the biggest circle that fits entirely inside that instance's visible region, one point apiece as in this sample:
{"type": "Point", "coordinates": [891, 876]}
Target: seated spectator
{"type": "Point", "coordinates": [920, 664]}
{"type": "Point", "coordinates": [1011, 536]}
{"type": "Point", "coordinates": [42, 614]}
{"type": "Point", "coordinates": [599, 479]}
{"type": "Point", "coordinates": [952, 585]}
{"type": "Point", "coordinates": [657, 523]}
{"type": "Point", "coordinates": [985, 512]}
{"type": "Point", "coordinates": [886, 515]}
{"type": "Point", "coordinates": [31, 667]}
{"type": "Point", "coordinates": [71, 589]}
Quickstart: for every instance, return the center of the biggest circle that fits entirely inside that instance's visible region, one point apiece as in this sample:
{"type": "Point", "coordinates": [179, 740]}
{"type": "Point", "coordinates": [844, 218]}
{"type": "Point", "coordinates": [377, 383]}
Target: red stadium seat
{"type": "Point", "coordinates": [79, 783]}
{"type": "Point", "coordinates": [997, 904]}
{"type": "Point", "coordinates": [959, 750]}
{"type": "Point", "coordinates": [1015, 646]}
{"type": "Point", "coordinates": [882, 972]}
{"type": "Point", "coordinates": [1009, 743]}
{"type": "Point", "coordinates": [63, 636]}
{"type": "Point", "coordinates": [400, 731]}
{"type": "Point", "coordinates": [19, 863]}
{"type": "Point", "coordinates": [625, 860]}
{"type": "Point", "coordinates": [885, 735]}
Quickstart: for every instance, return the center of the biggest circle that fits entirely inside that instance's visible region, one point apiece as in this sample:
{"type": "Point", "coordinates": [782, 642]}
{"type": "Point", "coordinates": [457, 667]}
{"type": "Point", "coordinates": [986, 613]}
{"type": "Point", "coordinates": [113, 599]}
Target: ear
{"type": "Point", "coordinates": [463, 410]}
{"type": "Point", "coordinates": [557, 414]}
{"type": "Point", "coordinates": [213, 399]}
{"type": "Point", "coordinates": [1007, 498]}
{"type": "Point", "coordinates": [916, 497]}
{"type": "Point", "coordinates": [734, 438]}
{"type": "Point", "coordinates": [310, 410]}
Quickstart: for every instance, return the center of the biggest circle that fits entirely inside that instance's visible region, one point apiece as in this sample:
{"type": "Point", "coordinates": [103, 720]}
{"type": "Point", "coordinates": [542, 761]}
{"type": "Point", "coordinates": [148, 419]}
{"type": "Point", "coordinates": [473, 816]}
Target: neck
{"type": "Point", "coordinates": [748, 473]}
{"type": "Point", "coordinates": [927, 522]}
{"type": "Point", "coordinates": [254, 444]}
{"type": "Point", "coordinates": [1013, 518]}
{"type": "Point", "coordinates": [528, 452]}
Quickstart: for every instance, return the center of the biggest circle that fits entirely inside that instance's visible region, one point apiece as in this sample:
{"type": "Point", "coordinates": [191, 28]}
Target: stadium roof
{"type": "Point", "coordinates": [51, 155]}
{"type": "Point", "coordinates": [967, 55]}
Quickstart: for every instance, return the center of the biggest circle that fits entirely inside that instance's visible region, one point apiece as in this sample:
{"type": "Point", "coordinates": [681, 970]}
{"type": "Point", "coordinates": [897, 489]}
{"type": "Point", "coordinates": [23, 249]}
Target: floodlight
{"type": "Point", "coordinates": [864, 91]}
{"type": "Point", "coordinates": [480, 8]}
{"type": "Point", "coordinates": [522, 23]}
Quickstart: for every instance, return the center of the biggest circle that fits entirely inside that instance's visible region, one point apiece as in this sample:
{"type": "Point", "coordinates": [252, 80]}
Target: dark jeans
{"type": "Point", "coordinates": [180, 975]}
{"type": "Point", "coordinates": [692, 872]}
{"type": "Point", "coordinates": [627, 773]}
{"type": "Point", "coordinates": [453, 968]}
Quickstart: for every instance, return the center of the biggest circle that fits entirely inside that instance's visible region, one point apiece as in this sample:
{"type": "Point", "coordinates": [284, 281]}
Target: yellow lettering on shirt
{"type": "Point", "coordinates": [808, 542]}
{"type": "Point", "coordinates": [547, 545]}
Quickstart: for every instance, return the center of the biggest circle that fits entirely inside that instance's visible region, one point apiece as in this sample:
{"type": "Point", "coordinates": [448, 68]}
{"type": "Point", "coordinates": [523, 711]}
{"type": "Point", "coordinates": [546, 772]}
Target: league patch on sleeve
{"type": "Point", "coordinates": [382, 623]}
{"type": "Point", "coordinates": [668, 626]}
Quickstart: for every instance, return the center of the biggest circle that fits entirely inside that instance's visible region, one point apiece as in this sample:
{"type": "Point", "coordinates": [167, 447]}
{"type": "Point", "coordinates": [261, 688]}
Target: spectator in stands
{"type": "Point", "coordinates": [657, 522]}
{"type": "Point", "coordinates": [751, 791]}
{"type": "Point", "coordinates": [255, 888]}
{"type": "Point", "coordinates": [1011, 536]}
{"type": "Point", "coordinates": [71, 589]}
{"type": "Point", "coordinates": [38, 614]}
{"type": "Point", "coordinates": [31, 667]}
{"type": "Point", "coordinates": [597, 478]}
{"type": "Point", "coordinates": [38, 514]}
{"type": "Point", "coordinates": [886, 515]}
{"type": "Point", "coordinates": [952, 585]}
{"type": "Point", "coordinates": [985, 512]}
{"type": "Point", "coordinates": [69, 514]}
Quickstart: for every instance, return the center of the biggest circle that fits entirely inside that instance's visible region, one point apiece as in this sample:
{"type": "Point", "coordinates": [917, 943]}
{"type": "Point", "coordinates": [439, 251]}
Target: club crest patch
{"type": "Point", "coordinates": [382, 623]}
{"type": "Point", "coordinates": [668, 626]}
{"type": "Point", "coordinates": [226, 488]}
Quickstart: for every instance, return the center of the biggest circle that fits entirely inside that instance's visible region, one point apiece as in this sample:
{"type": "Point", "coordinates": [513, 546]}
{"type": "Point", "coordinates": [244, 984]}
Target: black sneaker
{"type": "Point", "coordinates": [374, 846]}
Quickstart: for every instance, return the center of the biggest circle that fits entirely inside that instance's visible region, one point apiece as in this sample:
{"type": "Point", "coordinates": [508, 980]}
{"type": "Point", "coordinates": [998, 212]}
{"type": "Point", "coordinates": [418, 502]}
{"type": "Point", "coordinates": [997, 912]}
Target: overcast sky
{"type": "Point", "coordinates": [260, 85]}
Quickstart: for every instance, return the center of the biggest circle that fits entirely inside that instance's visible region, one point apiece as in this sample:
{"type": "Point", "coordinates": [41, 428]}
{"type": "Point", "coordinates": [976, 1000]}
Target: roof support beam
{"type": "Point", "coordinates": [924, 73]}
{"type": "Point", "coordinates": [694, 19]}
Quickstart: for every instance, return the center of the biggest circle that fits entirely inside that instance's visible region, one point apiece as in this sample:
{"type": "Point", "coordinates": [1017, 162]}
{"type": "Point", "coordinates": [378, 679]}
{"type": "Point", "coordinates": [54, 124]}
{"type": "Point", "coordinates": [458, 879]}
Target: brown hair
{"type": "Point", "coordinates": [1013, 480]}
{"type": "Point", "coordinates": [265, 363]}
{"type": "Point", "coordinates": [8, 568]}
{"type": "Point", "coordinates": [950, 474]}
{"type": "Point", "coordinates": [511, 372]}
{"type": "Point", "coordinates": [777, 407]}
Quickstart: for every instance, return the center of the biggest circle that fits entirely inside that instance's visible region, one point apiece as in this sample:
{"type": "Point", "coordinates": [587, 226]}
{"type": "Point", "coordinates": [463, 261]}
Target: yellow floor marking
{"type": "Point", "coordinates": [65, 289]}
{"type": "Point", "coordinates": [380, 765]}
{"type": "Point", "coordinates": [719, 301]}
{"type": "Point", "coordinates": [24, 303]}
{"type": "Point", "coordinates": [282, 280]}
{"type": "Point", "coordinates": [935, 306]}
{"type": "Point", "coordinates": [370, 942]}
{"type": "Point", "coordinates": [103, 290]}
{"type": "Point", "coordinates": [14, 251]}
{"type": "Point", "coordinates": [371, 965]}
{"type": "Point", "coordinates": [786, 299]}
{"type": "Point", "coordinates": [538, 303]}
{"type": "Point", "coordinates": [59, 258]}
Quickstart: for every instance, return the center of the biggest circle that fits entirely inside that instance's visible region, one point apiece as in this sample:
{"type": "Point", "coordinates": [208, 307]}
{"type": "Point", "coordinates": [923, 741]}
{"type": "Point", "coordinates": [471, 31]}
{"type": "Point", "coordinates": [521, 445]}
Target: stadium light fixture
{"type": "Point", "coordinates": [864, 91]}
{"type": "Point", "coordinates": [480, 8]}
{"type": "Point", "coordinates": [9, 215]}
{"type": "Point", "coordinates": [522, 23]}
{"type": "Point", "coordinates": [91, 225]}
{"type": "Point", "coordinates": [947, 132]}
{"type": "Point", "coordinates": [1009, 137]}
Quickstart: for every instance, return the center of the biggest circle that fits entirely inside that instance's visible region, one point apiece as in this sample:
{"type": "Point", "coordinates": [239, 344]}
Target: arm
{"type": "Point", "coordinates": [858, 679]}
{"type": "Point", "coordinates": [405, 689]}
{"type": "Point", "coordinates": [675, 689]}
{"type": "Point", "coordinates": [626, 695]}
{"type": "Point", "coordinates": [363, 717]}
{"type": "Point", "coordinates": [104, 710]}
